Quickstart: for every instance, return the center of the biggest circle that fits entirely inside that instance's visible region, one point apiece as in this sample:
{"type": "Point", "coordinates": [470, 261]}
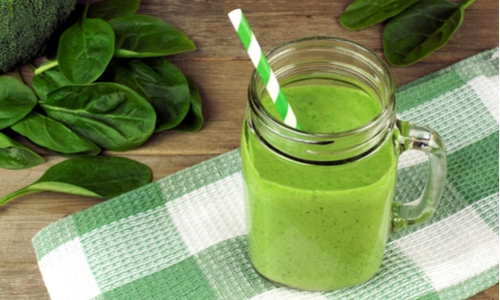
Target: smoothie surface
{"type": "Point", "coordinates": [328, 109]}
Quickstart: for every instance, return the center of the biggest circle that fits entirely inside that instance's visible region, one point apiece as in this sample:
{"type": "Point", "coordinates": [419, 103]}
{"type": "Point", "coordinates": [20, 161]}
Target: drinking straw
{"type": "Point", "coordinates": [262, 66]}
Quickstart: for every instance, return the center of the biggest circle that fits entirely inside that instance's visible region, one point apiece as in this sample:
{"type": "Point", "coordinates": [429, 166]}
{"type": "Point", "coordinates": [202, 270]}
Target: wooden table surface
{"type": "Point", "coordinates": [222, 69]}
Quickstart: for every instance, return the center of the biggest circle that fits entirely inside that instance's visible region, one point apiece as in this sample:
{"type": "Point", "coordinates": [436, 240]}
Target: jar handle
{"type": "Point", "coordinates": [421, 138]}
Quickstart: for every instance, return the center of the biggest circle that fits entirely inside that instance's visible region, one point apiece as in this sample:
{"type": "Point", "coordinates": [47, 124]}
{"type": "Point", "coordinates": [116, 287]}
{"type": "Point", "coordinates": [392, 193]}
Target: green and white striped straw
{"type": "Point", "coordinates": [262, 66]}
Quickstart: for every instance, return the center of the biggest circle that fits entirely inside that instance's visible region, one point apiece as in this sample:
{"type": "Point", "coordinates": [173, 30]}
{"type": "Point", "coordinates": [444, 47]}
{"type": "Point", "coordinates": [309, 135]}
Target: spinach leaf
{"type": "Point", "coordinates": [16, 101]}
{"type": "Point", "coordinates": [85, 49]}
{"type": "Point", "coordinates": [422, 29]}
{"type": "Point", "coordinates": [146, 36]}
{"type": "Point", "coordinates": [48, 81]}
{"type": "Point", "coordinates": [364, 13]}
{"type": "Point", "coordinates": [119, 71]}
{"type": "Point", "coordinates": [110, 9]}
{"type": "Point", "coordinates": [14, 155]}
{"type": "Point", "coordinates": [54, 136]}
{"type": "Point", "coordinates": [194, 119]}
{"type": "Point", "coordinates": [158, 81]}
{"type": "Point", "coordinates": [100, 176]}
{"type": "Point", "coordinates": [111, 115]}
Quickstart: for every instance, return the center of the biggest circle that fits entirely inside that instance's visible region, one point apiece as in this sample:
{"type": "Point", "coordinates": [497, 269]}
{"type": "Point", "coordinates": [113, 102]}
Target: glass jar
{"type": "Point", "coordinates": [319, 200]}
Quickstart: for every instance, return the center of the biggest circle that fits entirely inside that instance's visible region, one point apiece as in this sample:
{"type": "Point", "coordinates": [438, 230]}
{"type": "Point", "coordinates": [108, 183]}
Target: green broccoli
{"type": "Point", "coordinates": [26, 27]}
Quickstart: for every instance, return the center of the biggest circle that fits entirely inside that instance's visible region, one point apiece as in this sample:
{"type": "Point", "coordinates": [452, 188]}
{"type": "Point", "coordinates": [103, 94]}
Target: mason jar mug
{"type": "Point", "coordinates": [319, 199]}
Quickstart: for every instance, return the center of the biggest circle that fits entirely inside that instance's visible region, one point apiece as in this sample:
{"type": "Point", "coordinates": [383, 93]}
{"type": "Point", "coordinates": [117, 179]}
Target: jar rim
{"type": "Point", "coordinates": [386, 111]}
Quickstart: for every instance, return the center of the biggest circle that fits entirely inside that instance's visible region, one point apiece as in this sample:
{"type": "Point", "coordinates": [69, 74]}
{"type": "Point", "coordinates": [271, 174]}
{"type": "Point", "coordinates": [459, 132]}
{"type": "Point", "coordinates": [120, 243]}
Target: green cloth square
{"type": "Point", "coordinates": [183, 237]}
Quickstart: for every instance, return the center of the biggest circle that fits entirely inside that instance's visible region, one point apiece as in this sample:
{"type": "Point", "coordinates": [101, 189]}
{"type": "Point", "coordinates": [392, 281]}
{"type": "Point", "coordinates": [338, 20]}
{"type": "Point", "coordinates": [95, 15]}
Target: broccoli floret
{"type": "Point", "coordinates": [26, 27]}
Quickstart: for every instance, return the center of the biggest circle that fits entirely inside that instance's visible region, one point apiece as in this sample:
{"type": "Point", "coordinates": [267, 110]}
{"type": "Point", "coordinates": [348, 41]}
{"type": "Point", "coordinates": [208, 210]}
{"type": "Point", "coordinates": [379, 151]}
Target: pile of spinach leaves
{"type": "Point", "coordinates": [415, 29]}
{"type": "Point", "coordinates": [108, 88]}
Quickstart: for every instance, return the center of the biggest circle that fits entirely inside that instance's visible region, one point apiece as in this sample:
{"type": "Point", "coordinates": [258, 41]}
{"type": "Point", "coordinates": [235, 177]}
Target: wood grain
{"type": "Point", "coordinates": [222, 70]}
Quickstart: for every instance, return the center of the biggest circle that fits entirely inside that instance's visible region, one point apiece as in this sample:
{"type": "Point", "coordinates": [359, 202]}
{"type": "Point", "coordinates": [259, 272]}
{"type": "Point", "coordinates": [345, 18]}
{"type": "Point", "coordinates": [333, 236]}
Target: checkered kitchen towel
{"type": "Point", "coordinates": [183, 237]}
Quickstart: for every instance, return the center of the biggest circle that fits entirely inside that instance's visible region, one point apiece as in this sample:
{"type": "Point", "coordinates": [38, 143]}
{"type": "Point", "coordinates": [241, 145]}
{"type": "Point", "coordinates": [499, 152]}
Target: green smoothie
{"type": "Point", "coordinates": [319, 227]}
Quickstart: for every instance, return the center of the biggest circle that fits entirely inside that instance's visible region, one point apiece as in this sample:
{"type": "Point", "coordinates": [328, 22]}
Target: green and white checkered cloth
{"type": "Point", "coordinates": [183, 237]}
